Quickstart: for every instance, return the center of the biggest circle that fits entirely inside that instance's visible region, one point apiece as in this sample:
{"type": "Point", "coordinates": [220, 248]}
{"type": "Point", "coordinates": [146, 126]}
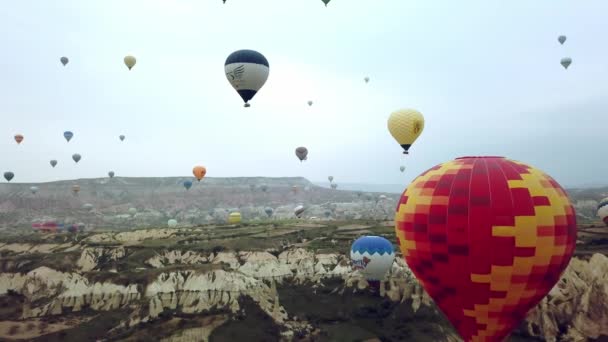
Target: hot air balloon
{"type": "Point", "coordinates": [561, 39]}
{"type": "Point", "coordinates": [326, 2]}
{"type": "Point", "coordinates": [302, 153]}
{"type": "Point", "coordinates": [373, 256]}
{"type": "Point", "coordinates": [76, 157]}
{"type": "Point", "coordinates": [264, 187]}
{"type": "Point", "coordinates": [334, 186]}
{"type": "Point", "coordinates": [130, 61]}
{"type": "Point", "coordinates": [402, 168]}
{"type": "Point", "coordinates": [298, 210]}
{"type": "Point", "coordinates": [405, 125]}
{"type": "Point", "coordinates": [330, 178]}
{"type": "Point", "coordinates": [172, 223]}
{"type": "Point", "coordinates": [111, 174]}
{"type": "Point", "coordinates": [88, 206]}
{"type": "Point", "coordinates": [366, 79]}
{"type": "Point", "coordinates": [234, 218]}
{"type": "Point", "coordinates": [18, 138]}
{"type": "Point", "coordinates": [75, 189]}
{"type": "Point", "coordinates": [199, 172]}
{"type": "Point", "coordinates": [488, 238]}
{"type": "Point", "coordinates": [187, 184]}
{"type": "Point", "coordinates": [327, 213]}
{"type": "Point", "coordinates": [268, 211]}
{"type": "Point", "coordinates": [64, 60]}
{"type": "Point", "coordinates": [121, 137]}
{"type": "Point", "coordinates": [53, 163]}
{"type": "Point", "coordinates": [602, 210]}
{"type": "Point", "coordinates": [34, 189]}
{"type": "Point", "coordinates": [247, 71]}
{"type": "Point", "coordinates": [132, 211]}
{"type": "Point", "coordinates": [565, 62]}
{"type": "Point", "coordinates": [309, 103]}
{"type": "Point", "coordinates": [9, 176]}
{"type": "Point", "coordinates": [68, 135]}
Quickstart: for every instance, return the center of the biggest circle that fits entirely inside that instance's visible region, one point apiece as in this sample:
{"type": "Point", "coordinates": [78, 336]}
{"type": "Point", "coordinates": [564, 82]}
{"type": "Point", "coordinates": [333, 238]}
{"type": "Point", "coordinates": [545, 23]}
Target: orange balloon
{"type": "Point", "coordinates": [18, 138]}
{"type": "Point", "coordinates": [199, 172]}
{"type": "Point", "coordinates": [488, 238]}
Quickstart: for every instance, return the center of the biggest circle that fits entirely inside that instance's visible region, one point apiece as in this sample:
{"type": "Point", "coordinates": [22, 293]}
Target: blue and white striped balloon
{"type": "Point", "coordinates": [373, 256]}
{"type": "Point", "coordinates": [247, 71]}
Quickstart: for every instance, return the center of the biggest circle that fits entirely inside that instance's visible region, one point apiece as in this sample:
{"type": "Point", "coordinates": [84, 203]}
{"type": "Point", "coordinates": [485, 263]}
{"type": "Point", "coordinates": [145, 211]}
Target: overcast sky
{"type": "Point", "coordinates": [485, 74]}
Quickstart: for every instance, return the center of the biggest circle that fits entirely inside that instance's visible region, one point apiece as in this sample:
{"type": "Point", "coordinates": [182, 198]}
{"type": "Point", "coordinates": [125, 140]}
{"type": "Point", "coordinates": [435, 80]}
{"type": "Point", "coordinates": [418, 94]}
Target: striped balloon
{"type": "Point", "coordinates": [247, 71]}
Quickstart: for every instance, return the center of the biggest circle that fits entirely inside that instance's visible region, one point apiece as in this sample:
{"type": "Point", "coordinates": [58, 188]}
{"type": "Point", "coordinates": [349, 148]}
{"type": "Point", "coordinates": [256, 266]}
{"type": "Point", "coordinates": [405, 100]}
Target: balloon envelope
{"type": "Point", "coordinates": [75, 188]}
{"type": "Point", "coordinates": [496, 234]}
{"type": "Point", "coordinates": [64, 60]}
{"type": "Point", "coordinates": [334, 185]}
{"type": "Point", "coordinates": [53, 163]}
{"type": "Point", "coordinates": [268, 211]}
{"type": "Point", "coordinates": [330, 178]}
{"type": "Point", "coordinates": [302, 153]}
{"type": "Point", "coordinates": [234, 218]}
{"type": "Point", "coordinates": [402, 168]}
{"type": "Point", "coordinates": [122, 138]}
{"type": "Point", "coordinates": [111, 174]}
{"type": "Point", "coordinates": [405, 125]}
{"type": "Point", "coordinates": [199, 172]}
{"type": "Point", "coordinates": [187, 184]}
{"type": "Point", "coordinates": [602, 210]}
{"type": "Point", "coordinates": [373, 256]}
{"type": "Point", "coordinates": [18, 138]}
{"type": "Point", "coordinates": [561, 39]}
{"type": "Point", "coordinates": [9, 176]}
{"type": "Point", "coordinates": [247, 72]}
{"type": "Point", "coordinates": [130, 61]}
{"type": "Point", "coordinates": [172, 223]}
{"type": "Point", "coordinates": [68, 135]}
{"type": "Point", "coordinates": [132, 211]}
{"type": "Point", "coordinates": [565, 62]}
{"type": "Point", "coordinates": [309, 103]}
{"type": "Point", "coordinates": [366, 79]}
{"type": "Point", "coordinates": [34, 189]}
{"type": "Point", "coordinates": [298, 210]}
{"type": "Point", "coordinates": [76, 157]}
{"type": "Point", "coordinates": [326, 2]}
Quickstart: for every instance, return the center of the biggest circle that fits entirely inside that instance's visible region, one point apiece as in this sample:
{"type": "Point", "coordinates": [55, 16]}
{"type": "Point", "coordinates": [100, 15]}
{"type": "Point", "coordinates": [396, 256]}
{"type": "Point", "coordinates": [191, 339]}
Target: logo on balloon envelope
{"type": "Point", "coordinates": [488, 238]}
{"type": "Point", "coordinates": [236, 73]}
{"type": "Point", "coordinates": [360, 264]}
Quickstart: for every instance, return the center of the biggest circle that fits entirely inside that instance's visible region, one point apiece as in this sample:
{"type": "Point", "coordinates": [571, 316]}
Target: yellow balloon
{"type": "Point", "coordinates": [234, 218]}
{"type": "Point", "coordinates": [406, 125]}
{"type": "Point", "coordinates": [130, 61]}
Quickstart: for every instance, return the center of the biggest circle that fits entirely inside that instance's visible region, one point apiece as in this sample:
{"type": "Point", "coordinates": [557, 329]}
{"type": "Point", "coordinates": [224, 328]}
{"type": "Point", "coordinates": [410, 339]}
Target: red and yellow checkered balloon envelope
{"type": "Point", "coordinates": [488, 238]}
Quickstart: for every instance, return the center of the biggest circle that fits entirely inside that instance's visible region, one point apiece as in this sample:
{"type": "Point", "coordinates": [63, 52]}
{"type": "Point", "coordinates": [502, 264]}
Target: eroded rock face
{"type": "Point", "coordinates": [575, 309]}
{"type": "Point", "coordinates": [91, 257]}
{"type": "Point", "coordinates": [578, 304]}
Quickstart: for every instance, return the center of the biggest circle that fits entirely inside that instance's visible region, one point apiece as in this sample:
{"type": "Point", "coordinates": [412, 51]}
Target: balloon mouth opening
{"type": "Point", "coordinates": [479, 157]}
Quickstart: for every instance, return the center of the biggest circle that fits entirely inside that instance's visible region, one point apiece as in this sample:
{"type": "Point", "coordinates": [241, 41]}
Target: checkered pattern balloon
{"type": "Point", "coordinates": [488, 238]}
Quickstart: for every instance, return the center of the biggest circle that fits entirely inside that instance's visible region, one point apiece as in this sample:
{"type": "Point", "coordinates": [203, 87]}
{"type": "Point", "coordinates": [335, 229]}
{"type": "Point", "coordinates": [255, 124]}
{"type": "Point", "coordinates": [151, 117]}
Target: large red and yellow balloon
{"type": "Point", "coordinates": [488, 238]}
{"type": "Point", "coordinates": [199, 172]}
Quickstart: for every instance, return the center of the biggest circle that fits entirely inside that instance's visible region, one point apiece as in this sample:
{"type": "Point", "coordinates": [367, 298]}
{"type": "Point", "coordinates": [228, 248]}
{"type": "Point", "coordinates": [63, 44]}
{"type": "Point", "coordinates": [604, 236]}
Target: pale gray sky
{"type": "Point", "coordinates": [485, 74]}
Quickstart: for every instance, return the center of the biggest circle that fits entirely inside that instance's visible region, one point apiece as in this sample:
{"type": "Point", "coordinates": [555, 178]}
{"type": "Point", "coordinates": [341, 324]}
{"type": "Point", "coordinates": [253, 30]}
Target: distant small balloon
{"type": "Point", "coordinates": [34, 189]}
{"type": "Point", "coordinates": [309, 103]}
{"type": "Point", "coordinates": [268, 211]}
{"type": "Point", "coordinates": [330, 178]}
{"type": "Point", "coordinates": [366, 79]}
{"type": "Point", "coordinates": [298, 211]}
{"type": "Point", "coordinates": [68, 135]}
{"type": "Point", "coordinates": [130, 61]}
{"type": "Point", "coordinates": [111, 174]}
{"type": "Point", "coordinates": [234, 218]}
{"type": "Point", "coordinates": [53, 163]}
{"type": "Point", "coordinates": [122, 138]}
{"type": "Point", "coordinates": [132, 211]}
{"type": "Point", "coordinates": [565, 62]}
{"type": "Point", "coordinates": [326, 2]}
{"type": "Point", "coordinates": [187, 184]}
{"type": "Point", "coordinates": [402, 168]}
{"type": "Point", "coordinates": [18, 138]}
{"type": "Point", "coordinates": [9, 176]}
{"type": "Point", "coordinates": [199, 172]}
{"type": "Point", "coordinates": [88, 206]}
{"type": "Point", "coordinates": [302, 153]}
{"type": "Point", "coordinates": [64, 60]}
{"type": "Point", "coordinates": [75, 189]}
{"type": "Point", "coordinates": [334, 185]}
{"type": "Point", "coordinates": [172, 223]}
{"type": "Point", "coordinates": [76, 157]}
{"type": "Point", "coordinates": [561, 39]}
